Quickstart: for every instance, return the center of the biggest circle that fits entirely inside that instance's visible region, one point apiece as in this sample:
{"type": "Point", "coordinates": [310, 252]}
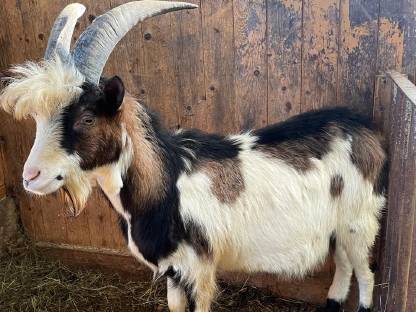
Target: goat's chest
{"type": "Point", "coordinates": [128, 230]}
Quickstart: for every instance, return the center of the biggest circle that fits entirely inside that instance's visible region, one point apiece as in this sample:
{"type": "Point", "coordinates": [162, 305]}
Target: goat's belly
{"type": "Point", "coordinates": [276, 250]}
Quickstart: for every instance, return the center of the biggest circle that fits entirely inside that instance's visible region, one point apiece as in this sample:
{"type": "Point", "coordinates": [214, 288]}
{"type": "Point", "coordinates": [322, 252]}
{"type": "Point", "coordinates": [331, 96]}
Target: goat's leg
{"type": "Point", "coordinates": [176, 296]}
{"type": "Point", "coordinates": [359, 260]}
{"type": "Point", "coordinates": [340, 286]}
{"type": "Point", "coordinates": [203, 289]}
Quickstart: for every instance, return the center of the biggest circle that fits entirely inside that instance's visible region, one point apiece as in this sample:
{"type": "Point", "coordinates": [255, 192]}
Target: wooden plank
{"type": "Point", "coordinates": [250, 71]}
{"type": "Point", "coordinates": [357, 54]}
{"type": "Point", "coordinates": [381, 115]}
{"type": "Point", "coordinates": [397, 292]}
{"type": "Point", "coordinates": [14, 47]}
{"type": "Point", "coordinates": [189, 67]}
{"type": "Point", "coordinates": [158, 71]}
{"type": "Point", "coordinates": [382, 103]}
{"type": "Point", "coordinates": [218, 47]}
{"type": "Point", "coordinates": [393, 20]}
{"type": "Point", "coordinates": [320, 53]}
{"type": "Point", "coordinates": [284, 51]}
{"type": "Point", "coordinates": [397, 36]}
{"type": "Point", "coordinates": [96, 259]}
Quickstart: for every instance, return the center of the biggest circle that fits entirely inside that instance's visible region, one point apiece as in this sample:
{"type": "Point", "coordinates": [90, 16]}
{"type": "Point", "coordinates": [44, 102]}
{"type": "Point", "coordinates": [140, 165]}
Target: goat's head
{"type": "Point", "coordinates": [77, 113]}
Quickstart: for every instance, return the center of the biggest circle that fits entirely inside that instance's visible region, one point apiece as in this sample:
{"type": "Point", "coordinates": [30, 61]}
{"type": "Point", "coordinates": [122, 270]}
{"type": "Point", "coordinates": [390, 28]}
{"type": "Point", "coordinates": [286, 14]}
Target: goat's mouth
{"type": "Point", "coordinates": [44, 186]}
{"type": "Point", "coordinates": [52, 185]}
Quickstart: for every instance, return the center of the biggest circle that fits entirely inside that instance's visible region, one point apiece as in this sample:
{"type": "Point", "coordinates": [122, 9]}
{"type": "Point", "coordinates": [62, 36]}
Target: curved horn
{"type": "Point", "coordinates": [61, 33]}
{"type": "Point", "coordinates": [97, 42]}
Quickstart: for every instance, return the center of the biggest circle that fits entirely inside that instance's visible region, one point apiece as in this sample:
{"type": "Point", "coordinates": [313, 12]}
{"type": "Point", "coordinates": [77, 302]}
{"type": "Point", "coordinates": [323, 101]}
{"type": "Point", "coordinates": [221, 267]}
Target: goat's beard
{"type": "Point", "coordinates": [76, 191]}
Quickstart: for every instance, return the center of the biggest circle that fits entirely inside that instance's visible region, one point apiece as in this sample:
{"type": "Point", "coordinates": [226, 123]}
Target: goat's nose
{"type": "Point", "coordinates": [31, 173]}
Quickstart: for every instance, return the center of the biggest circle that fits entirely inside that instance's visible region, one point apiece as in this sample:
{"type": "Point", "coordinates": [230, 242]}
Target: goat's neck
{"type": "Point", "coordinates": [145, 180]}
{"type": "Point", "coordinates": [139, 176]}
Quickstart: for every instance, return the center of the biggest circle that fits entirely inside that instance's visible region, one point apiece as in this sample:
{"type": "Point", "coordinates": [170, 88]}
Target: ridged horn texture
{"type": "Point", "coordinates": [97, 42]}
{"type": "Point", "coordinates": [62, 30]}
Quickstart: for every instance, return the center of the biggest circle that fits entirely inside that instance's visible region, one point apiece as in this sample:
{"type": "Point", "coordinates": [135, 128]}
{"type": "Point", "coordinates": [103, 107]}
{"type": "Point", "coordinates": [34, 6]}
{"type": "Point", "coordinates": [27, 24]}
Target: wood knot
{"type": "Point", "coordinates": [147, 36]}
{"type": "Point", "coordinates": [91, 18]}
{"type": "Point", "coordinates": [288, 106]}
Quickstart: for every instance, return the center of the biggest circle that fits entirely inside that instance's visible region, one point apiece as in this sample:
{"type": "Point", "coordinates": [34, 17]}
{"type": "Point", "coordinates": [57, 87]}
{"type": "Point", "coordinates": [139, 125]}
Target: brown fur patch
{"type": "Point", "coordinates": [368, 155]}
{"type": "Point", "coordinates": [298, 153]}
{"type": "Point", "coordinates": [226, 177]}
{"type": "Point", "coordinates": [147, 172]}
{"type": "Point", "coordinates": [100, 144]}
{"type": "Point", "coordinates": [337, 185]}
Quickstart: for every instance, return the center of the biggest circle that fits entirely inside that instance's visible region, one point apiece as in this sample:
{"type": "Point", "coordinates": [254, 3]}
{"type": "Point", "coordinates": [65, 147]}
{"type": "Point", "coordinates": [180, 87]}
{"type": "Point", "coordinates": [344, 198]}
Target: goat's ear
{"type": "Point", "coordinates": [114, 94]}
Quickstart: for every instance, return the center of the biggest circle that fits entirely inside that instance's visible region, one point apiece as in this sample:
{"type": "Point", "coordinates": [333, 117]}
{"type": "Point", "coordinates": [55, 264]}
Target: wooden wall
{"type": "Point", "coordinates": [227, 66]}
{"type": "Point", "coordinates": [396, 112]}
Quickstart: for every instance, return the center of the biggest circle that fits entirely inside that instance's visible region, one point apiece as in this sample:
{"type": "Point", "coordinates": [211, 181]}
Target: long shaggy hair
{"type": "Point", "coordinates": [40, 88]}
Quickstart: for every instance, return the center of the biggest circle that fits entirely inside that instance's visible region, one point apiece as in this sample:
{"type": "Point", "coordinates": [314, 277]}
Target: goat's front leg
{"type": "Point", "coordinates": [176, 296]}
{"type": "Point", "coordinates": [203, 288]}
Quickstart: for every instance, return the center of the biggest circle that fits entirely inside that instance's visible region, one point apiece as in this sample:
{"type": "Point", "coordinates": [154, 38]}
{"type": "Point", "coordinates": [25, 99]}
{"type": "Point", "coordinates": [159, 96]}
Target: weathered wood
{"type": "Point", "coordinates": [189, 68]}
{"type": "Point", "coordinates": [250, 71]}
{"type": "Point", "coordinates": [320, 53]}
{"type": "Point", "coordinates": [284, 52]}
{"type": "Point", "coordinates": [357, 53]}
{"type": "Point", "coordinates": [396, 290]}
{"type": "Point", "coordinates": [218, 34]}
{"type": "Point", "coordinates": [96, 258]}
{"type": "Point", "coordinates": [397, 36]}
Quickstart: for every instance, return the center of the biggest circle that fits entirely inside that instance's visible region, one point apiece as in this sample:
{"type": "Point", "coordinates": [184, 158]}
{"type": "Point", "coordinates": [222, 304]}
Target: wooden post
{"type": "Point", "coordinates": [396, 288]}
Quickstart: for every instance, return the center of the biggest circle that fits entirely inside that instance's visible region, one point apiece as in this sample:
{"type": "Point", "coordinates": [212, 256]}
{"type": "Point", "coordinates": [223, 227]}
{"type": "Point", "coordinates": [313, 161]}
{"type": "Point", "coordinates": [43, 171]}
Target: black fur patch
{"type": "Point", "coordinates": [381, 183]}
{"type": "Point", "coordinates": [312, 124]}
{"type": "Point", "coordinates": [308, 135]}
{"type": "Point", "coordinates": [205, 146]}
{"type": "Point", "coordinates": [362, 309]}
{"type": "Point", "coordinates": [197, 239]}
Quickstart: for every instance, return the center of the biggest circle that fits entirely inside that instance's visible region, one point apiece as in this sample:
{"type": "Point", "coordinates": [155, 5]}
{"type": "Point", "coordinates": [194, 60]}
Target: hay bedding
{"type": "Point", "coordinates": [29, 282]}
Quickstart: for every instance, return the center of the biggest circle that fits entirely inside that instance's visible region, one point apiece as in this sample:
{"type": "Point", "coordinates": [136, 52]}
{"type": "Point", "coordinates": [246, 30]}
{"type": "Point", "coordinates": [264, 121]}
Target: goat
{"type": "Point", "coordinates": [192, 203]}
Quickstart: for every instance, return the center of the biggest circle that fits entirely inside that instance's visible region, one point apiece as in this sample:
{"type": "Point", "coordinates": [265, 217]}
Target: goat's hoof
{"type": "Point", "coordinates": [362, 309]}
{"type": "Point", "coordinates": [331, 306]}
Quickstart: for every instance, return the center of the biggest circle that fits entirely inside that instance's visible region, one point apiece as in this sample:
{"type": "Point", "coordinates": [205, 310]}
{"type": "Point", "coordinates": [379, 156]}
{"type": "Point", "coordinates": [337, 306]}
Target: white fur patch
{"type": "Point", "coordinates": [41, 88]}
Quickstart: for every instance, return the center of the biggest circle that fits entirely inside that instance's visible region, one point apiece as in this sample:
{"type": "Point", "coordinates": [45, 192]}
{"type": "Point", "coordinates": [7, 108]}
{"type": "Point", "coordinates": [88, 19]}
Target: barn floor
{"type": "Point", "coordinates": [29, 282]}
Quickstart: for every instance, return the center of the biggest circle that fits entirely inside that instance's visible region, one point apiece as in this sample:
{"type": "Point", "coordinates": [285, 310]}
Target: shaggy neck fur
{"type": "Point", "coordinates": [146, 170]}
{"type": "Point", "coordinates": [149, 192]}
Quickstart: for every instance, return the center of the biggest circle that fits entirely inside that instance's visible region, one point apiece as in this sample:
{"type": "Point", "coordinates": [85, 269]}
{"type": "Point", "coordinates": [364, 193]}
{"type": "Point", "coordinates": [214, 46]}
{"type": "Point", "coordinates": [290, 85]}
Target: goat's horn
{"type": "Point", "coordinates": [95, 44]}
{"type": "Point", "coordinates": [61, 33]}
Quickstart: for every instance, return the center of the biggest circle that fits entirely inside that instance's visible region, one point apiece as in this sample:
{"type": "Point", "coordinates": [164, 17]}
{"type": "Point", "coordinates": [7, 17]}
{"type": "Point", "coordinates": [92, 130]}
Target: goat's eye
{"type": "Point", "coordinates": [88, 120]}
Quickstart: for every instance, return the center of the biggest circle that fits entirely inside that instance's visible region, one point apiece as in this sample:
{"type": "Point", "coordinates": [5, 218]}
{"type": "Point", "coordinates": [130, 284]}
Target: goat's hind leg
{"type": "Point", "coordinates": [340, 286]}
{"type": "Point", "coordinates": [364, 275]}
